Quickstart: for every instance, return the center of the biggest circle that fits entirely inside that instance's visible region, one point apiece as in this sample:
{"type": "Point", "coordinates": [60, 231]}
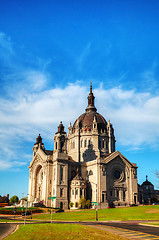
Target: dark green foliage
{"type": "Point", "coordinates": [14, 199]}
{"type": "Point", "coordinates": [10, 211]}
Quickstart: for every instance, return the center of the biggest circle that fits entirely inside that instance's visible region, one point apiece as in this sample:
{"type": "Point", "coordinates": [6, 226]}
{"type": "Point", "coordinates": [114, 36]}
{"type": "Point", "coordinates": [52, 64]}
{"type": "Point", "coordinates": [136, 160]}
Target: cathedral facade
{"type": "Point", "coordinates": [84, 163]}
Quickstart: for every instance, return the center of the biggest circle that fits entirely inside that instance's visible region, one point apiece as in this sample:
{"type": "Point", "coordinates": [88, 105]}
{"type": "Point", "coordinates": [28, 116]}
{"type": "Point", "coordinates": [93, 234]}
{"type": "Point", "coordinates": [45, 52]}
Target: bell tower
{"type": "Point", "coordinates": [60, 140]}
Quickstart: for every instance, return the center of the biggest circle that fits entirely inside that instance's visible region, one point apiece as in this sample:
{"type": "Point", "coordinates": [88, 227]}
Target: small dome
{"type": "Point", "coordinates": [38, 139]}
{"type": "Point", "coordinates": [61, 128]}
{"type": "Point", "coordinates": [146, 183]}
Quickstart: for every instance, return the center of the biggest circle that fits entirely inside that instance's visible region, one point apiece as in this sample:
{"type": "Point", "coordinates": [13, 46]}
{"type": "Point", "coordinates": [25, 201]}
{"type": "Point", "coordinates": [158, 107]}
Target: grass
{"type": "Point", "coordinates": [61, 232]}
{"type": "Point", "coordinates": [127, 213]}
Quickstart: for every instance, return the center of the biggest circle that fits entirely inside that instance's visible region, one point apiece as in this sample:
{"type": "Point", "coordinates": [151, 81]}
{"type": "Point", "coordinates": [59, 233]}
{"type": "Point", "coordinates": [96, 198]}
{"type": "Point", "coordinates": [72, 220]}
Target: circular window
{"type": "Point", "coordinates": [117, 174]}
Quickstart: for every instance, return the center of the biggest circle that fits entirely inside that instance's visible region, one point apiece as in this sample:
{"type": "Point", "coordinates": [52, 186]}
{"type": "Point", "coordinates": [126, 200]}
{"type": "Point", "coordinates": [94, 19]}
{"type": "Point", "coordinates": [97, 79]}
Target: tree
{"type": "Point", "coordinates": [14, 199]}
{"type": "Point", "coordinates": [157, 174]}
{"type": "Point", "coordinates": [82, 202]}
{"type": "Point", "coordinates": [71, 204]}
{"type": "Point", "coordinates": [88, 203]}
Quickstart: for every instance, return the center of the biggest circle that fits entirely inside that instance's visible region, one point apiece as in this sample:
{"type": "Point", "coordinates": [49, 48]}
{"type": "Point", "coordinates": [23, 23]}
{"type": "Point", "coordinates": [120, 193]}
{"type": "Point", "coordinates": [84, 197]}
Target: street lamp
{"type": "Point", "coordinates": [96, 201]}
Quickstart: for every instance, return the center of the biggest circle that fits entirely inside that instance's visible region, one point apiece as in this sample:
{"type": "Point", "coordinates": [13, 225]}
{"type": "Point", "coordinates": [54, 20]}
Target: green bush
{"type": "Point", "coordinates": [10, 211]}
{"type": "Point", "coordinates": [88, 203]}
{"type": "Point", "coordinates": [71, 204]}
{"type": "Point", "coordinates": [82, 202]}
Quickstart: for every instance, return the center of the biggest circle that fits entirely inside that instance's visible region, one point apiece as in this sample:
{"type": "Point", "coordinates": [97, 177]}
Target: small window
{"type": "Point", "coordinates": [85, 143]}
{"type": "Point", "coordinates": [81, 143]}
{"type": "Point", "coordinates": [72, 191]}
{"type": "Point", "coordinates": [89, 142]}
{"type": "Point", "coordinates": [117, 193]}
{"type": "Point", "coordinates": [90, 172]}
{"type": "Point", "coordinates": [61, 192]}
{"type": "Point", "coordinates": [56, 145]}
{"type": "Point", "coordinates": [50, 181]}
{"type": "Point", "coordinates": [123, 195]}
{"type": "Point", "coordinates": [61, 173]}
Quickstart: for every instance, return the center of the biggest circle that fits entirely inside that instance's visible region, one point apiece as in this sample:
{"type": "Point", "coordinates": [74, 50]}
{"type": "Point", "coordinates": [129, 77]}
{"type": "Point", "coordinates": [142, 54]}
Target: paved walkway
{"type": "Point", "coordinates": [128, 229]}
{"type": "Point", "coordinates": [6, 229]}
{"type": "Point", "coordinates": [129, 234]}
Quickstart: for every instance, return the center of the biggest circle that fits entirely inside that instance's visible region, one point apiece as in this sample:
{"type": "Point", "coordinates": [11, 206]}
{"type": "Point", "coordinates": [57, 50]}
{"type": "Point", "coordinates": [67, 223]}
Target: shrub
{"type": "Point", "coordinates": [88, 203]}
{"type": "Point", "coordinates": [71, 204]}
{"type": "Point", "coordinates": [82, 202]}
{"type": "Point", "coordinates": [10, 211]}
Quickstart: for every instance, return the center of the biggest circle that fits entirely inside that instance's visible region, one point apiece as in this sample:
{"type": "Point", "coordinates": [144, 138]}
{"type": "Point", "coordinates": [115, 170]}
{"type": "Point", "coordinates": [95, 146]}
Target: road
{"type": "Point", "coordinates": [130, 230]}
{"type": "Point", "coordinates": [6, 229]}
{"type": "Point", "coordinates": [132, 226]}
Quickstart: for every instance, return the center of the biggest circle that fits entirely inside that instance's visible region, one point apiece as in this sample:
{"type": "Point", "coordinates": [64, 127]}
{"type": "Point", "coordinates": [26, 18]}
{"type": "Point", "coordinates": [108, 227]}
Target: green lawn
{"type": "Point", "coordinates": [61, 232]}
{"type": "Point", "coordinates": [127, 213]}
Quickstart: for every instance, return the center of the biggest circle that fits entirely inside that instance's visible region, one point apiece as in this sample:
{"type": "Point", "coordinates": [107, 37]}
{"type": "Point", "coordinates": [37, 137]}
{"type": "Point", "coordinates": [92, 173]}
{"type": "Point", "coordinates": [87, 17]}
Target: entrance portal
{"type": "Point", "coordinates": [61, 205]}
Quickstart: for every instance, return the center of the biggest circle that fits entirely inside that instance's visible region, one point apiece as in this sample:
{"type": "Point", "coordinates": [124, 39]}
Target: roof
{"type": "Point", "coordinates": [77, 177]}
{"type": "Point", "coordinates": [85, 121]}
{"type": "Point", "coordinates": [48, 152]}
{"type": "Point", "coordinates": [146, 183]}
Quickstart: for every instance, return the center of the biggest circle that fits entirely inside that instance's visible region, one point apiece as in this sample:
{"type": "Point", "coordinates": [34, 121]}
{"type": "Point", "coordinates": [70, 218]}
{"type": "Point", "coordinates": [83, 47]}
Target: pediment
{"type": "Point", "coordinates": [113, 156]}
{"type": "Point", "coordinates": [37, 159]}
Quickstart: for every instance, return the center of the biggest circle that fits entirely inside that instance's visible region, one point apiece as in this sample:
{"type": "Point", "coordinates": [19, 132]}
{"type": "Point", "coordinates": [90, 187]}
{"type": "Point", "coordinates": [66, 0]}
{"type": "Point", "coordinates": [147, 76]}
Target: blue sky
{"type": "Point", "coordinates": [49, 53]}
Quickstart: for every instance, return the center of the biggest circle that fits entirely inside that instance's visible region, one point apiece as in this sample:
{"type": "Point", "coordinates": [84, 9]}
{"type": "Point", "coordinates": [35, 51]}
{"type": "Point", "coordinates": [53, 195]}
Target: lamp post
{"type": "Point", "coordinates": [96, 201]}
{"type": "Point", "coordinates": [26, 212]}
{"type": "Point", "coordinates": [52, 199]}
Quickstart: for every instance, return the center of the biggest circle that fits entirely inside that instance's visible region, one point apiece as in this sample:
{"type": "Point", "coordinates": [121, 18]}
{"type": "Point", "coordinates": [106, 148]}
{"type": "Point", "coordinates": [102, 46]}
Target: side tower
{"type": "Point", "coordinates": [60, 169]}
{"type": "Point", "coordinates": [91, 137]}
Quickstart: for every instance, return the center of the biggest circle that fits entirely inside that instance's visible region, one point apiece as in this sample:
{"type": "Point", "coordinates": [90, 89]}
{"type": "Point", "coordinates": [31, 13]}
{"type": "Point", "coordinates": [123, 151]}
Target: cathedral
{"type": "Point", "coordinates": [84, 163]}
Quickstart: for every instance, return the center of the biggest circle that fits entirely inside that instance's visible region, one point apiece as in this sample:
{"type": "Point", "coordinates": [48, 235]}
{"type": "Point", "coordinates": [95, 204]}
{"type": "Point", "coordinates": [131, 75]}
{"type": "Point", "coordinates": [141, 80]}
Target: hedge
{"type": "Point", "coordinates": [19, 211]}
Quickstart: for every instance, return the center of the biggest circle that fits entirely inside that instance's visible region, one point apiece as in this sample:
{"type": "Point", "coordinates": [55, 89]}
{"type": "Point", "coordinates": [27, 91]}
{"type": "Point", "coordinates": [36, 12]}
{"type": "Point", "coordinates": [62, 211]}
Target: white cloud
{"type": "Point", "coordinates": [5, 43]}
{"type": "Point", "coordinates": [135, 116]}
{"type": "Point", "coordinates": [29, 108]}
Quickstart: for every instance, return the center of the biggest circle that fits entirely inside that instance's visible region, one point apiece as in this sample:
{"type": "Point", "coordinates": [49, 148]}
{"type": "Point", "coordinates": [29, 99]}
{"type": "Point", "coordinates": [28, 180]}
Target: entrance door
{"type": "Point", "coordinates": [135, 200]}
{"type": "Point", "coordinates": [61, 205]}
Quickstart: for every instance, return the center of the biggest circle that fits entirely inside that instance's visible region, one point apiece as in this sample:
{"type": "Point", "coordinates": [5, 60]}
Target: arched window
{"type": "Point", "coordinates": [80, 192]}
{"type": "Point", "coordinates": [81, 143]}
{"type": "Point", "coordinates": [85, 143]}
{"type": "Point", "coordinates": [103, 143]}
{"type": "Point", "coordinates": [89, 142]}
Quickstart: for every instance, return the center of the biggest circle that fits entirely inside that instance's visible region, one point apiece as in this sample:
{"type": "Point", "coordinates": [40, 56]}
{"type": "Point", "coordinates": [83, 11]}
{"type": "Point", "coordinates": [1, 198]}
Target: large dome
{"type": "Point", "coordinates": [85, 121]}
